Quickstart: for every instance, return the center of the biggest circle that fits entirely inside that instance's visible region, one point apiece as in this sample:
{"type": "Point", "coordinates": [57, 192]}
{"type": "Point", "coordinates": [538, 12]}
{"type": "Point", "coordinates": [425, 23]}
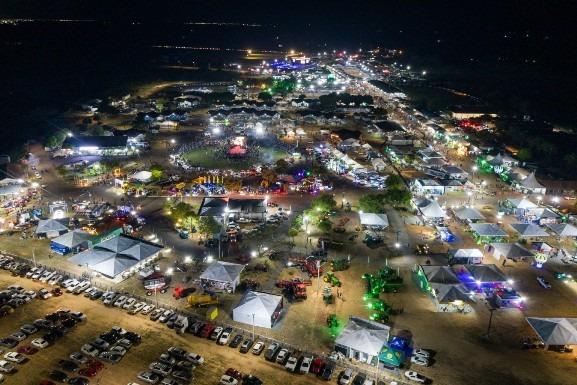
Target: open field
{"type": "Point", "coordinates": [205, 158]}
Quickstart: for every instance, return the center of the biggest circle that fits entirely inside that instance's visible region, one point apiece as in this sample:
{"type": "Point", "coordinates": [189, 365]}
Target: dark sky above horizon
{"type": "Point", "coordinates": [531, 26]}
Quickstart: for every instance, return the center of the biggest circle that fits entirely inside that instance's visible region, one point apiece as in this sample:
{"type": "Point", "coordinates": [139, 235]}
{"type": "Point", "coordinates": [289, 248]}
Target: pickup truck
{"type": "Point", "coordinates": [272, 351]}
{"type": "Point", "coordinates": [207, 330]}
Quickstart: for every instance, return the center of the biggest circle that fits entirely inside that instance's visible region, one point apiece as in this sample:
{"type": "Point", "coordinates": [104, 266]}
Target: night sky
{"type": "Point", "coordinates": [525, 47]}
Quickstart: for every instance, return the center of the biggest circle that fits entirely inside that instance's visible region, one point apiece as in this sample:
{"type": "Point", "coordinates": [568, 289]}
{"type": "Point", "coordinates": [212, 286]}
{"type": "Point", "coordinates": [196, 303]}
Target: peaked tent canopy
{"type": "Point", "coordinates": [486, 273]}
{"type": "Point", "coordinates": [430, 208]}
{"type": "Point", "coordinates": [451, 293]}
{"type": "Point", "coordinates": [440, 274]}
{"type": "Point", "coordinates": [391, 356]}
{"type": "Point", "coordinates": [555, 331]}
{"type": "Point", "coordinates": [528, 230]}
{"type": "Point", "coordinates": [372, 219]}
{"type": "Point", "coordinates": [116, 255]}
{"type": "Point", "coordinates": [142, 176]}
{"type": "Point", "coordinates": [73, 238]}
{"type": "Point", "coordinates": [262, 309]}
{"type": "Point", "coordinates": [521, 203]}
{"type": "Point", "coordinates": [465, 256]}
{"type": "Point", "coordinates": [563, 230]}
{"type": "Point", "coordinates": [52, 227]}
{"type": "Point", "coordinates": [531, 182]}
{"type": "Point", "coordinates": [488, 230]}
{"type": "Point", "coordinates": [468, 213]}
{"type": "Point", "coordinates": [510, 250]}
{"type": "Point", "coordinates": [223, 272]}
{"type": "Point", "coordinates": [363, 335]}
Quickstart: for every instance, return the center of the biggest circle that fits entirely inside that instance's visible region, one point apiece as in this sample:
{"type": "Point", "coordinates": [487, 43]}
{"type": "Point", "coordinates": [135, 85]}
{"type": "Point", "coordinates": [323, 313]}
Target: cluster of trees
{"type": "Point", "coordinates": [330, 101]}
{"type": "Point", "coordinates": [317, 214]}
{"type": "Point", "coordinates": [395, 195]}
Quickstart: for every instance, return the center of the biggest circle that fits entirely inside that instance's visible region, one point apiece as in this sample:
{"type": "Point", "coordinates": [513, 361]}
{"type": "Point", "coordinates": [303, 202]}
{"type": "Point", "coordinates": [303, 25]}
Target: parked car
{"type": "Point", "coordinates": [184, 365]}
{"type": "Point", "coordinates": [100, 344]}
{"type": "Point", "coordinates": [129, 302]}
{"type": "Point", "coordinates": [421, 352]}
{"type": "Point", "coordinates": [15, 357]}
{"type": "Point", "coordinates": [79, 358]}
{"type": "Point", "coordinates": [167, 359]}
{"type": "Point", "coordinates": [225, 336]}
{"type": "Point", "coordinates": [78, 381]}
{"type": "Point", "coordinates": [137, 308]}
{"type": "Point", "coordinates": [228, 380]}
{"type": "Point", "coordinates": [68, 365]}
{"type": "Point", "coordinates": [258, 348]}
{"type": "Point", "coordinates": [195, 358]}
{"type": "Point", "coordinates": [177, 353]}
{"type": "Point", "coordinates": [8, 342]}
{"type": "Point", "coordinates": [149, 377]}
{"type": "Point", "coordinates": [6, 367]}
{"type": "Point", "coordinates": [111, 357]}
{"type": "Point", "coordinates": [419, 360]}
{"type": "Point", "coordinates": [183, 375]}
{"type": "Point", "coordinates": [246, 345]}
{"type": "Point", "coordinates": [155, 315]}
{"type": "Point", "coordinates": [147, 309]}
{"type": "Point", "coordinates": [272, 351]}
{"type": "Point", "coordinates": [414, 376]}
{"type": "Point", "coordinates": [120, 301]}
{"type": "Point", "coordinates": [543, 282]}
{"type": "Point", "coordinates": [305, 365]}
{"type": "Point", "coordinates": [282, 356]}
{"type": "Point", "coordinates": [359, 379]}
{"type": "Point", "coordinates": [216, 333]}
{"type": "Point", "coordinates": [28, 329]}
{"type": "Point", "coordinates": [291, 364]}
{"type": "Point", "coordinates": [236, 341]}
{"type": "Point", "coordinates": [44, 294]}
{"type": "Point", "coordinates": [346, 377]}
{"type": "Point", "coordinates": [160, 368]}
{"type": "Point", "coordinates": [27, 349]}
{"type": "Point", "coordinates": [19, 336]}
{"type": "Point", "coordinates": [57, 375]}
{"type": "Point", "coordinates": [165, 316]}
{"type": "Point", "coordinates": [327, 371]}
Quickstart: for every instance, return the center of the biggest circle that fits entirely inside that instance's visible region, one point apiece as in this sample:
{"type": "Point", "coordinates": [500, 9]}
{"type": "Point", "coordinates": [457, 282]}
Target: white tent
{"type": "Point", "coordinates": [69, 241]}
{"type": "Point", "coordinates": [258, 309]}
{"type": "Point", "coordinates": [530, 183]}
{"type": "Point", "coordinates": [348, 161]}
{"type": "Point", "coordinates": [510, 250]}
{"type": "Point", "coordinates": [116, 255]}
{"type": "Point", "coordinates": [6, 181]}
{"type": "Point", "coordinates": [51, 228]}
{"type": "Point", "coordinates": [142, 176]}
{"type": "Point", "coordinates": [465, 256]}
{"type": "Point", "coordinates": [372, 219]}
{"type": "Point", "coordinates": [555, 331]}
{"type": "Point", "coordinates": [521, 203]}
{"type": "Point", "coordinates": [224, 272]}
{"type": "Point", "coordinates": [440, 274]}
{"type": "Point", "coordinates": [486, 273]}
{"type": "Point", "coordinates": [528, 230]}
{"type": "Point", "coordinates": [468, 213]}
{"type": "Point", "coordinates": [488, 230]}
{"type": "Point", "coordinates": [563, 230]}
{"type": "Point", "coordinates": [378, 164]}
{"type": "Point", "coordinates": [429, 208]}
{"type": "Point", "coordinates": [362, 339]}
{"type": "Point", "coordinates": [451, 293]}
{"type": "Point", "coordinates": [337, 154]}
{"type": "Point", "coordinates": [10, 189]}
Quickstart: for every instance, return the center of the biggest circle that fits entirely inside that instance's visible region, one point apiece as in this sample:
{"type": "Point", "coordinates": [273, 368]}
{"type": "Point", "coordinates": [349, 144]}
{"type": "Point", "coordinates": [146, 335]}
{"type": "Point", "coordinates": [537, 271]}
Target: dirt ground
{"type": "Point", "coordinates": [156, 339]}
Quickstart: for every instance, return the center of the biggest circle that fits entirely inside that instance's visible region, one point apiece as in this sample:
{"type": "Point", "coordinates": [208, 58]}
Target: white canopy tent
{"type": "Point", "coordinates": [488, 230]}
{"type": "Point", "coordinates": [258, 309]}
{"type": "Point", "coordinates": [486, 273]}
{"type": "Point", "coordinates": [362, 339]}
{"type": "Point", "coordinates": [372, 219]}
{"type": "Point", "coordinates": [521, 203]}
{"type": "Point", "coordinates": [116, 255]}
{"type": "Point", "coordinates": [450, 293]}
{"type": "Point", "coordinates": [465, 256]}
{"type": "Point", "coordinates": [563, 229]}
{"type": "Point", "coordinates": [529, 230]}
{"type": "Point", "coordinates": [469, 213]}
{"type": "Point", "coordinates": [51, 228]}
{"type": "Point", "coordinates": [555, 331]}
{"type": "Point", "coordinates": [510, 251]}
{"type": "Point", "coordinates": [429, 208]}
{"type": "Point", "coordinates": [378, 164]}
{"type": "Point", "coordinates": [223, 272]}
{"type": "Point", "coordinates": [530, 183]}
{"type": "Point", "coordinates": [142, 176]}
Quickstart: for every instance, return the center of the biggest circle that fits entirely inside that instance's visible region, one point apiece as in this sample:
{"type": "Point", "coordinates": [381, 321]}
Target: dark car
{"type": "Point", "coordinates": [57, 375]}
{"type": "Point", "coordinates": [8, 342]}
{"type": "Point", "coordinates": [67, 365]}
{"type": "Point", "coordinates": [50, 337]}
{"type": "Point", "coordinates": [195, 328]}
{"type": "Point", "coordinates": [109, 337]}
{"type": "Point", "coordinates": [79, 381]}
{"type": "Point", "coordinates": [96, 294]}
{"type": "Point", "coordinates": [327, 371]}
{"type": "Point", "coordinates": [69, 323]}
{"type": "Point", "coordinates": [246, 345]}
{"type": "Point", "coordinates": [133, 337]}
{"type": "Point", "coordinates": [211, 244]}
{"type": "Point", "coordinates": [178, 353]}
{"type": "Point", "coordinates": [171, 321]}
{"type": "Point", "coordinates": [359, 379]}
{"type": "Point", "coordinates": [249, 379]}
{"type": "Point", "coordinates": [183, 375]}
{"type": "Point", "coordinates": [236, 341]}
{"type": "Point", "coordinates": [52, 317]}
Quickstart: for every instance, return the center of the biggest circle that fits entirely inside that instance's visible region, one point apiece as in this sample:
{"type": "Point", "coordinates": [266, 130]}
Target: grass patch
{"type": "Point", "coordinates": [204, 157]}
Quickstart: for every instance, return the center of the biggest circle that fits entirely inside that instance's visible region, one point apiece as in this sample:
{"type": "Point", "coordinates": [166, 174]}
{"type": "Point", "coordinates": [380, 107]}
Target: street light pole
{"type": "Point", "coordinates": [253, 326]}
{"type": "Point", "coordinates": [490, 320]}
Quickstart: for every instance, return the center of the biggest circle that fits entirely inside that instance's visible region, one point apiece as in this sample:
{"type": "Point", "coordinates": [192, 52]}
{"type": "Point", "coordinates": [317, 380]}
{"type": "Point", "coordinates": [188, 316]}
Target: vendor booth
{"type": "Point", "coordinates": [526, 230]}
{"type": "Point", "coordinates": [468, 214]}
{"type": "Point", "coordinates": [222, 275]}
{"type": "Point", "coordinates": [258, 309]}
{"type": "Point", "coordinates": [563, 230]}
{"type": "Point", "coordinates": [488, 232]}
{"type": "Point", "coordinates": [555, 331]}
{"type": "Point", "coordinates": [510, 251]}
{"type": "Point", "coordinates": [372, 219]}
{"type": "Point", "coordinates": [73, 241]}
{"type": "Point", "coordinates": [362, 339]}
{"type": "Point", "coordinates": [52, 228]}
{"type": "Point", "coordinates": [465, 256]}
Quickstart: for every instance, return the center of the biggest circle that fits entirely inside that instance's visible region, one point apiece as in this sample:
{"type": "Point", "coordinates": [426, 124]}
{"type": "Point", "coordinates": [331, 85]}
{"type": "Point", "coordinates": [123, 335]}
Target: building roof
{"type": "Point", "coordinates": [95, 141]}
{"type": "Point", "coordinates": [555, 331]}
{"type": "Point", "coordinates": [254, 302]}
{"type": "Point", "coordinates": [563, 229]}
{"type": "Point", "coordinates": [531, 182]}
{"type": "Point", "coordinates": [48, 225]}
{"type": "Point", "coordinates": [214, 206]}
{"type": "Point", "coordinates": [371, 219]}
{"type": "Point", "coordinates": [451, 293]}
{"type": "Point", "coordinates": [468, 213]}
{"type": "Point", "coordinates": [521, 203]}
{"type": "Point", "coordinates": [512, 250]}
{"type": "Point", "coordinates": [73, 238]}
{"type": "Point", "coordinates": [440, 274]}
{"type": "Point", "coordinates": [528, 230]}
{"type": "Point", "coordinates": [486, 273]}
{"type": "Point", "coordinates": [429, 208]}
{"type": "Point", "coordinates": [488, 230]}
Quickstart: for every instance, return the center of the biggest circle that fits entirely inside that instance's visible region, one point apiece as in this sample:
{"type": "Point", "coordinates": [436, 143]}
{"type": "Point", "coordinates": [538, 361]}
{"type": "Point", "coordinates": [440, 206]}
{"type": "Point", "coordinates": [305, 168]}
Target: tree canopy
{"type": "Point", "coordinates": [208, 225]}
{"type": "Point", "coordinates": [398, 197]}
{"type": "Point", "coordinates": [394, 181]}
{"type": "Point", "coordinates": [156, 171]}
{"type": "Point", "coordinates": [324, 203]}
{"type": "Point", "coordinates": [371, 203]}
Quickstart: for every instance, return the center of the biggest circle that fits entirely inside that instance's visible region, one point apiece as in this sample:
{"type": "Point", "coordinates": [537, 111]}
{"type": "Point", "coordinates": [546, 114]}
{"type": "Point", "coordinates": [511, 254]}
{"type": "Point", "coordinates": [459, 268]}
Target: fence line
{"type": "Point", "coordinates": [198, 317]}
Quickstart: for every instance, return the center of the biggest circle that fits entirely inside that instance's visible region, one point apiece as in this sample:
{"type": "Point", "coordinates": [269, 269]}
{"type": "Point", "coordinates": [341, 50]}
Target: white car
{"type": "Point", "coordinates": [543, 282]}
{"type": "Point", "coordinates": [129, 302]}
{"type": "Point", "coordinates": [30, 294]}
{"type": "Point", "coordinates": [78, 316]}
{"type": "Point", "coordinates": [414, 376]}
{"type": "Point", "coordinates": [14, 357]}
{"type": "Point", "coordinates": [224, 337]}
{"type": "Point", "coordinates": [38, 274]}
{"type": "Point", "coordinates": [147, 309]}
{"type": "Point", "coordinates": [258, 348]}
{"type": "Point", "coordinates": [120, 301]}
{"type": "Point", "coordinates": [422, 353]}
{"type": "Point", "coordinates": [291, 364]}
{"type": "Point", "coordinates": [118, 350]}
{"type": "Point", "coordinates": [47, 275]}
{"type": "Point", "coordinates": [55, 279]}
{"type": "Point", "coordinates": [165, 316]}
{"type": "Point", "coordinates": [72, 285]}
{"type": "Point", "coordinates": [6, 367]}
{"type": "Point", "coordinates": [89, 350]}
{"type": "Point", "coordinates": [228, 380]}
{"type": "Point", "coordinates": [137, 308]}
{"type": "Point", "coordinates": [44, 294]}
{"type": "Point", "coordinates": [346, 377]}
{"type": "Point", "coordinates": [195, 358]}
{"type": "Point", "coordinates": [151, 378]}
{"type": "Point", "coordinates": [40, 343]}
{"type": "Point", "coordinates": [81, 287]}
{"type": "Point", "coordinates": [419, 360]}
{"type": "Point", "coordinates": [89, 291]}
{"type": "Point", "coordinates": [282, 356]}
{"type": "Point", "coordinates": [305, 365]}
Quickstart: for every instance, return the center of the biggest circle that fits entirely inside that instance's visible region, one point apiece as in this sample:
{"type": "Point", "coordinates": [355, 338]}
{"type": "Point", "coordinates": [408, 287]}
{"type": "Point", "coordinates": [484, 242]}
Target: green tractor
{"type": "Point", "coordinates": [340, 264]}
{"type": "Point", "coordinates": [332, 321]}
{"type": "Point", "coordinates": [331, 279]}
{"type": "Point", "coordinates": [328, 295]}
{"type": "Point", "coordinates": [382, 311]}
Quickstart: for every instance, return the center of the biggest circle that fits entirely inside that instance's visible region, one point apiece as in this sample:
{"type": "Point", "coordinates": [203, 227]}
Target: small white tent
{"type": "Point", "coordinates": [223, 274]}
{"type": "Point", "coordinates": [372, 219]}
{"type": "Point", "coordinates": [258, 309]}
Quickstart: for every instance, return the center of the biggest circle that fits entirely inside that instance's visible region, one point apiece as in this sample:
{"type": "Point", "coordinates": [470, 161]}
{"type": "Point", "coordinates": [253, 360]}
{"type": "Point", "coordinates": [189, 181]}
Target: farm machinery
{"type": "Point", "coordinates": [249, 284]}
{"type": "Point", "coordinates": [340, 264]}
{"type": "Point", "coordinates": [387, 280]}
{"type": "Point", "coordinates": [296, 287]}
{"type": "Point", "coordinates": [382, 310]}
{"type": "Point", "coordinates": [182, 292]}
{"type": "Point", "coordinates": [199, 300]}
{"type": "Point", "coordinates": [310, 265]}
{"type": "Point", "coordinates": [261, 267]}
{"type": "Point", "coordinates": [328, 295]}
{"type": "Point", "coordinates": [332, 321]}
{"type": "Point", "coordinates": [331, 279]}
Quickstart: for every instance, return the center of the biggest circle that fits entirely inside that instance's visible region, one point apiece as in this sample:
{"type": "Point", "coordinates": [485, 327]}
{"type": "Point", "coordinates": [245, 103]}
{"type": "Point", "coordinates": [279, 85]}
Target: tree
{"type": "Point", "coordinates": [208, 225]}
{"type": "Point", "coordinates": [269, 175]}
{"type": "Point", "coordinates": [156, 171]}
{"type": "Point", "coordinates": [394, 181]}
{"type": "Point", "coordinates": [380, 112]}
{"type": "Point", "coordinates": [62, 170]}
{"type": "Point", "coordinates": [371, 203]}
{"type": "Point", "coordinates": [524, 154]}
{"type": "Point", "coordinates": [398, 197]}
{"type": "Point", "coordinates": [51, 141]}
{"type": "Point", "coordinates": [325, 226]}
{"type": "Point", "coordinates": [324, 203]}
{"type": "Point", "coordinates": [292, 233]}
{"type": "Point", "coordinates": [281, 166]}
